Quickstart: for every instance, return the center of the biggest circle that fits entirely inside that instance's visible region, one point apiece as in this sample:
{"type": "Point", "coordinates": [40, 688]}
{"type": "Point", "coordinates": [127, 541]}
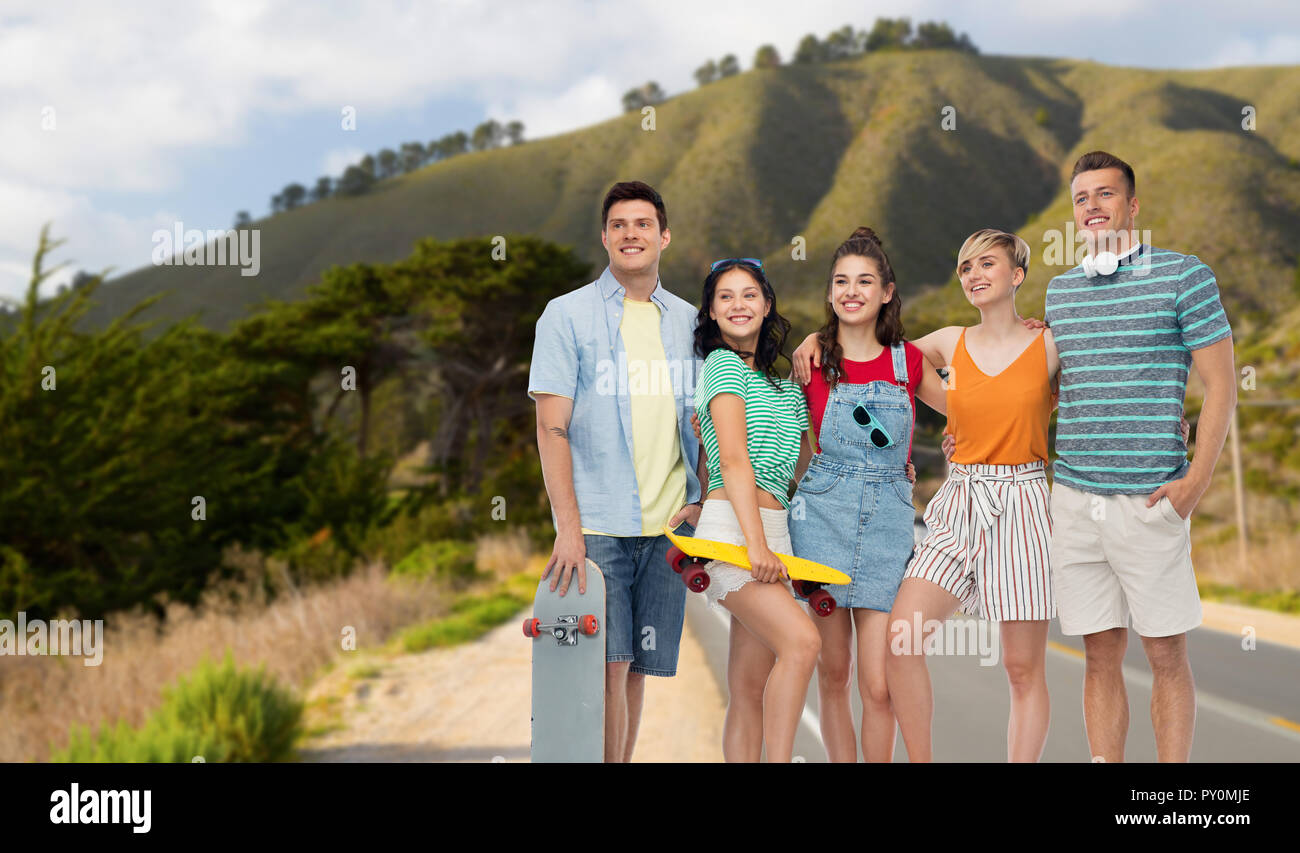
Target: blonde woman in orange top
{"type": "Point", "coordinates": [988, 529]}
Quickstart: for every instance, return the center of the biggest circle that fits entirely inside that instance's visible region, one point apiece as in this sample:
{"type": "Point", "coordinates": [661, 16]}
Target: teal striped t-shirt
{"type": "Point", "coordinates": [775, 418]}
{"type": "Point", "coordinates": [1126, 342]}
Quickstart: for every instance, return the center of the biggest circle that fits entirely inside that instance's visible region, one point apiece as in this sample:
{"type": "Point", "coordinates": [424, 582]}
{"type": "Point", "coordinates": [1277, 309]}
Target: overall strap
{"type": "Point", "coordinates": [900, 363]}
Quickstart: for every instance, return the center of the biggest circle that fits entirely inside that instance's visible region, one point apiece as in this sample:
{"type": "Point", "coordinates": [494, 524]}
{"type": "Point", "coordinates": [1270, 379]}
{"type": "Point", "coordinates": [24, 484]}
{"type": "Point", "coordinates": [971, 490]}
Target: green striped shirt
{"type": "Point", "coordinates": [1126, 342]}
{"type": "Point", "coordinates": [775, 418]}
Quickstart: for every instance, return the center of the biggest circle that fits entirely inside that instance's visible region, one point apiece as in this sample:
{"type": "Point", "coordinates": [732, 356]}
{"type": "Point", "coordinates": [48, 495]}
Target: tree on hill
{"type": "Point", "coordinates": [889, 33]}
{"type": "Point", "coordinates": [324, 186]}
{"type": "Point", "coordinates": [367, 165]}
{"type": "Point", "coordinates": [642, 96]}
{"type": "Point", "coordinates": [706, 73]}
{"type": "Point", "coordinates": [457, 143]}
{"type": "Point", "coordinates": [809, 51]}
{"type": "Point", "coordinates": [242, 219]}
{"type": "Point", "coordinates": [355, 181]}
{"type": "Point", "coordinates": [277, 203]}
{"type": "Point", "coordinates": [844, 43]}
{"type": "Point", "coordinates": [292, 195]}
{"type": "Point", "coordinates": [487, 135]}
{"type": "Point", "coordinates": [933, 34]}
{"type": "Point", "coordinates": [387, 161]}
{"type": "Point", "coordinates": [728, 66]}
{"type": "Point", "coordinates": [515, 132]}
{"type": "Point", "coordinates": [412, 155]}
{"type": "Point", "coordinates": [767, 57]}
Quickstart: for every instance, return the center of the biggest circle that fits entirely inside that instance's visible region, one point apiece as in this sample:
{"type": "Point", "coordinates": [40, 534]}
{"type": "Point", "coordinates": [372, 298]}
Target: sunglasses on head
{"type": "Point", "coordinates": [879, 437]}
{"type": "Point", "coordinates": [753, 262]}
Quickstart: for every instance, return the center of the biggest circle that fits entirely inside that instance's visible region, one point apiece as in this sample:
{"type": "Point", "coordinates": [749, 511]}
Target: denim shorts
{"type": "Point", "coordinates": [861, 525]}
{"type": "Point", "coordinates": [645, 600]}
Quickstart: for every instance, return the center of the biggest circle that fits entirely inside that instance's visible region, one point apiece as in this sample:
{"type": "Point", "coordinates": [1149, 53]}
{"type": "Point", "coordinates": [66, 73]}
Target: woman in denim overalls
{"type": "Point", "coordinates": [853, 508]}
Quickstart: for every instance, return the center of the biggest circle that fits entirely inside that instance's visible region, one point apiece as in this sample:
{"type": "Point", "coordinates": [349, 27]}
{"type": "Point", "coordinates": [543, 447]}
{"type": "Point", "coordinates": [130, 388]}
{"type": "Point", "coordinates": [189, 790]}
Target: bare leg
{"type": "Point", "coordinates": [1105, 700]}
{"type": "Point", "coordinates": [1024, 655]}
{"type": "Point", "coordinates": [772, 615]}
{"type": "Point", "coordinates": [918, 602]}
{"type": "Point", "coordinates": [749, 663]}
{"type": "Point", "coordinates": [877, 709]}
{"type": "Point", "coordinates": [834, 668]}
{"type": "Point", "coordinates": [635, 699]}
{"type": "Point", "coordinates": [616, 711]}
{"type": "Point", "coordinates": [1173, 696]}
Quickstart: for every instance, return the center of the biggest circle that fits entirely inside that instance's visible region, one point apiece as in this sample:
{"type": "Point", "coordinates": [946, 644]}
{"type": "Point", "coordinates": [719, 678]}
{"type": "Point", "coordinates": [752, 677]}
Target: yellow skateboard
{"type": "Point", "coordinates": [688, 556]}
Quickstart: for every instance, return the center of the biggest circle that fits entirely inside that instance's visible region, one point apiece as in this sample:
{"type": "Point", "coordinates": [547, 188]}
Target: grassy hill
{"type": "Point", "coordinates": [750, 162]}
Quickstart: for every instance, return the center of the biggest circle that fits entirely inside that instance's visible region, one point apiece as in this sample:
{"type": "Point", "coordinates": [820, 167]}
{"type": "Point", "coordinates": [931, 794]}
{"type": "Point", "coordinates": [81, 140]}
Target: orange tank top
{"type": "Point", "coordinates": [1001, 419]}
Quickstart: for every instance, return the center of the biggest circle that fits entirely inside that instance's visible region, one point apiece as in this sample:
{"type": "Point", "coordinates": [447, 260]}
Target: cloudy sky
{"type": "Point", "coordinates": [166, 111]}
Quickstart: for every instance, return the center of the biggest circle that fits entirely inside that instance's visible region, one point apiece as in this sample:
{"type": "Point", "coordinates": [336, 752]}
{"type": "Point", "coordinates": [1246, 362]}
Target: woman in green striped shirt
{"type": "Point", "coordinates": [754, 428]}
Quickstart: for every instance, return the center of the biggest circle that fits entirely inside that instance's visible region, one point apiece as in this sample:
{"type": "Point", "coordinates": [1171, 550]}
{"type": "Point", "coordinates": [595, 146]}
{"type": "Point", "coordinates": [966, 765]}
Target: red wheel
{"type": "Point", "coordinates": [588, 624]}
{"type": "Point", "coordinates": [677, 558]}
{"type": "Point", "coordinates": [803, 588]}
{"type": "Point", "coordinates": [823, 603]}
{"type": "Point", "coordinates": [530, 628]}
{"type": "Point", "coordinates": [696, 579]}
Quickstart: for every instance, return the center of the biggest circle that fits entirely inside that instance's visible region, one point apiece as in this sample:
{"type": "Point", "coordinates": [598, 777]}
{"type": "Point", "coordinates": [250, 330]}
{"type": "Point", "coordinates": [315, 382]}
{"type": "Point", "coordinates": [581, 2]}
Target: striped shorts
{"type": "Point", "coordinates": [987, 541]}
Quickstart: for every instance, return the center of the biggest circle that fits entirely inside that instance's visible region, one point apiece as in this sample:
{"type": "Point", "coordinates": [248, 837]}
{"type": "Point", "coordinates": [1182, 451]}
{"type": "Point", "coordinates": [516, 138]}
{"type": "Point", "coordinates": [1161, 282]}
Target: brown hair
{"type": "Point", "coordinates": [863, 242]}
{"type": "Point", "coordinates": [633, 191]}
{"type": "Point", "coordinates": [1094, 160]}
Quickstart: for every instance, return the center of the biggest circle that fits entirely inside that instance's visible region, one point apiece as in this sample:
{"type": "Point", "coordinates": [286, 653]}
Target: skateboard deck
{"type": "Point", "coordinates": [797, 567]}
{"type": "Point", "coordinates": [568, 636]}
{"type": "Point", "coordinates": [806, 577]}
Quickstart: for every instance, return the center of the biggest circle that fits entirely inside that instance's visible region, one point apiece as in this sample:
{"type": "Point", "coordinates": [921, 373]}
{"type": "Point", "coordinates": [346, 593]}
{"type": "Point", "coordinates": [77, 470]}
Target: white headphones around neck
{"type": "Point", "coordinates": [1104, 264]}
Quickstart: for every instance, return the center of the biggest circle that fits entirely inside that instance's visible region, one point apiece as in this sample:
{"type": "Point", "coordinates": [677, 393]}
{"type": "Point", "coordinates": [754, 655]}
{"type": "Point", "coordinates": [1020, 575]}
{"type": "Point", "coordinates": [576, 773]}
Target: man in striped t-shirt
{"type": "Point", "coordinates": [1129, 323]}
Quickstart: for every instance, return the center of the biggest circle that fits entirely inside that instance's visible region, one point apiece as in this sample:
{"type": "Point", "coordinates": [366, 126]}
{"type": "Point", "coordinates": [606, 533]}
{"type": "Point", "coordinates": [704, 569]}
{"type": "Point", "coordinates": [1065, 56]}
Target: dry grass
{"type": "Point", "coordinates": [502, 555]}
{"type": "Point", "coordinates": [295, 635]}
{"type": "Point", "coordinates": [1273, 563]}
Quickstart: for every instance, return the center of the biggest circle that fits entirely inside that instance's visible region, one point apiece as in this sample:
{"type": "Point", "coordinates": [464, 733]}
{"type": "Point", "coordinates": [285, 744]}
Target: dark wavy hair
{"type": "Point", "coordinates": [771, 335]}
{"type": "Point", "coordinates": [865, 243]}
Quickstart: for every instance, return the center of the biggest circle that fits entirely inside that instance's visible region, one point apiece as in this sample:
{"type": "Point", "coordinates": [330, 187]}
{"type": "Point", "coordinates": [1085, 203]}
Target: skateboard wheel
{"type": "Point", "coordinates": [696, 579]}
{"type": "Point", "coordinates": [677, 558]}
{"type": "Point", "coordinates": [589, 624]}
{"type": "Point", "coordinates": [803, 588]}
{"type": "Point", "coordinates": [530, 628]}
{"type": "Point", "coordinates": [823, 603]}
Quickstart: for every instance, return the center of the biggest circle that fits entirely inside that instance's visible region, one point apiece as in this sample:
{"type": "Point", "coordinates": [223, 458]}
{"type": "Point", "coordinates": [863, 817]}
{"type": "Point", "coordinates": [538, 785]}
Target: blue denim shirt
{"type": "Point", "coordinates": [578, 353]}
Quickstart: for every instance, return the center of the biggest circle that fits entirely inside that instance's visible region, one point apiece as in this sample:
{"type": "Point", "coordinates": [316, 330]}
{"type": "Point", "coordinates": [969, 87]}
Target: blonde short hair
{"type": "Point", "coordinates": [983, 240]}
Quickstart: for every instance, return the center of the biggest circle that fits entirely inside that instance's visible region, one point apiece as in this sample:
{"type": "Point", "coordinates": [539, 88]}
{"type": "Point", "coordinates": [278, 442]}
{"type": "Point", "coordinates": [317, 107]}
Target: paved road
{"type": "Point", "coordinates": [1248, 700]}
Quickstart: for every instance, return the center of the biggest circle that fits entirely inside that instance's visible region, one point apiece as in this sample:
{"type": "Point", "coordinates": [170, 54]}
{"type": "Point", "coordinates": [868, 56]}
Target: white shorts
{"type": "Point", "coordinates": [987, 541]}
{"type": "Point", "coordinates": [718, 522]}
{"type": "Point", "coordinates": [1114, 559]}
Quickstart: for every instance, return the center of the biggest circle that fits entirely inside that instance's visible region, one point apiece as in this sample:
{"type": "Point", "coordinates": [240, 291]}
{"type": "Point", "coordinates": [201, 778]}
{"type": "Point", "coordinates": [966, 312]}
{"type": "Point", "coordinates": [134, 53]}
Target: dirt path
{"type": "Point", "coordinates": [472, 703]}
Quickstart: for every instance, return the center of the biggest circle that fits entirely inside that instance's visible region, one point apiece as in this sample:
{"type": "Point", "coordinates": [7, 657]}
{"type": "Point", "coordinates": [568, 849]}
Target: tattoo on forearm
{"type": "Point", "coordinates": [559, 432]}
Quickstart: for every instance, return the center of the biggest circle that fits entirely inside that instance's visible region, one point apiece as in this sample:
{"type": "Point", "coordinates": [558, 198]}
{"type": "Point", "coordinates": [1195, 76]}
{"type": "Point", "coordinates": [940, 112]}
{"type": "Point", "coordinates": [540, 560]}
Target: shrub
{"type": "Point", "coordinates": [443, 558]}
{"type": "Point", "coordinates": [219, 712]}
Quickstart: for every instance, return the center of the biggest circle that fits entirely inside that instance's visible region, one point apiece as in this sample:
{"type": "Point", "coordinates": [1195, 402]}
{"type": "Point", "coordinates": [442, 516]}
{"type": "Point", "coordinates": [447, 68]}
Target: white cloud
{"type": "Point", "coordinates": [592, 99]}
{"type": "Point", "coordinates": [335, 162]}
{"type": "Point", "coordinates": [1275, 50]}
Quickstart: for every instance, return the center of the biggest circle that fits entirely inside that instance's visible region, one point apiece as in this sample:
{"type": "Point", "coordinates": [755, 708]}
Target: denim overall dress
{"type": "Point", "coordinates": [853, 508]}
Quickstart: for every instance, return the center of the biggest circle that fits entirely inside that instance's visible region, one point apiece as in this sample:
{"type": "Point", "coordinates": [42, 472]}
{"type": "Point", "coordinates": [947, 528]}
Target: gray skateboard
{"type": "Point", "coordinates": [568, 636]}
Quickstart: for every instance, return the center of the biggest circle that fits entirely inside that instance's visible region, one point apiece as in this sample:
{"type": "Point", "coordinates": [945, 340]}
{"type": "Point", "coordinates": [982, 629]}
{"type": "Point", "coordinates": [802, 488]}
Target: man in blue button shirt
{"type": "Point", "coordinates": [613, 375]}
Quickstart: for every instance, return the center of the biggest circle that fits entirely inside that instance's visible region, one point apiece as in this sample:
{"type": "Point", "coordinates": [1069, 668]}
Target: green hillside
{"type": "Point", "coordinates": [748, 163]}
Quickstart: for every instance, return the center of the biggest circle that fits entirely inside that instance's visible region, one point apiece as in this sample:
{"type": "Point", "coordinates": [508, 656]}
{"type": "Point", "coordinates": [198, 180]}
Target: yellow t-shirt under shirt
{"type": "Point", "coordinates": [656, 446]}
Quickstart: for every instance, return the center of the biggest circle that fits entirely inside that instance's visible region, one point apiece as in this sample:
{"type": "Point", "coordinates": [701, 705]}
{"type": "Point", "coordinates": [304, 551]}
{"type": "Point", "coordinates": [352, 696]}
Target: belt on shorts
{"type": "Point", "coordinates": [976, 488]}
